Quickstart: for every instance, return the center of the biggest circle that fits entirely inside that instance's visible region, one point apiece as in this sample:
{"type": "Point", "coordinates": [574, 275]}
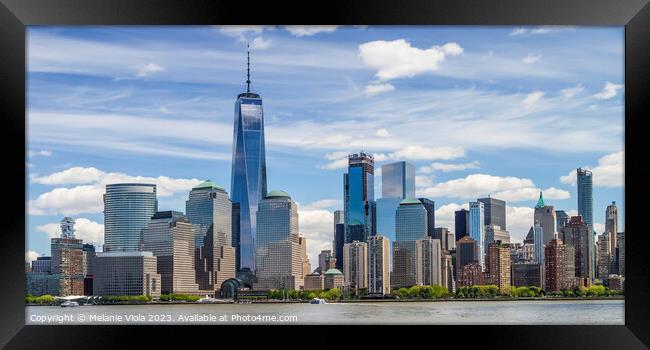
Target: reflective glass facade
{"type": "Point", "coordinates": [495, 211]}
{"type": "Point", "coordinates": [248, 180]}
{"type": "Point", "coordinates": [359, 198]}
{"type": "Point", "coordinates": [461, 223]}
{"type": "Point", "coordinates": [207, 205]}
{"type": "Point", "coordinates": [411, 222]}
{"type": "Point", "coordinates": [398, 180]}
{"type": "Point", "coordinates": [477, 229]}
{"type": "Point", "coordinates": [585, 197]}
{"type": "Point", "coordinates": [127, 210]}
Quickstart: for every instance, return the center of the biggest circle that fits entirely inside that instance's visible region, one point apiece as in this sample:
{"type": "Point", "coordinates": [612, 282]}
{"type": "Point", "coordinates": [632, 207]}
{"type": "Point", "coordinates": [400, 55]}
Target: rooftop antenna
{"type": "Point", "coordinates": [248, 68]}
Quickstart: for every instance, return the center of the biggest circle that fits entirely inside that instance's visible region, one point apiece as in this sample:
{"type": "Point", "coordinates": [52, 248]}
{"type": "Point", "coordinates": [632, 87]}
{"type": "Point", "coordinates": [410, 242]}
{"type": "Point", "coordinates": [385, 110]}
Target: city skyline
{"type": "Point", "coordinates": [66, 179]}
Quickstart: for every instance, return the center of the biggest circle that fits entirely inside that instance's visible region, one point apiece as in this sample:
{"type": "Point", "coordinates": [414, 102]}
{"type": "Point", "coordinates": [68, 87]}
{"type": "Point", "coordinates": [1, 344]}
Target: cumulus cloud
{"type": "Point", "coordinates": [374, 89]}
{"type": "Point", "coordinates": [532, 98]}
{"type": "Point", "coordinates": [242, 33]}
{"type": "Point", "coordinates": [518, 31]}
{"type": "Point", "coordinates": [530, 193]}
{"type": "Point", "coordinates": [301, 31]}
{"type": "Point", "coordinates": [445, 215]}
{"type": "Point", "coordinates": [531, 58]}
{"type": "Point", "coordinates": [87, 230]}
{"type": "Point", "coordinates": [317, 226]}
{"type": "Point", "coordinates": [448, 167]}
{"type": "Point", "coordinates": [476, 185]}
{"type": "Point", "coordinates": [323, 204]}
{"type": "Point", "coordinates": [41, 153]}
{"type": "Point", "coordinates": [609, 172]}
{"type": "Point", "coordinates": [609, 91]}
{"type": "Point", "coordinates": [382, 133]}
{"type": "Point", "coordinates": [260, 43]}
{"type": "Point", "coordinates": [428, 153]}
{"type": "Point", "coordinates": [31, 255]}
{"type": "Point", "coordinates": [340, 163]}
{"type": "Point", "coordinates": [518, 222]}
{"type": "Point", "coordinates": [87, 198]}
{"type": "Point", "coordinates": [424, 180]}
{"type": "Point", "coordinates": [397, 58]}
{"type": "Point", "coordinates": [148, 69]}
{"type": "Point", "coordinates": [572, 91]}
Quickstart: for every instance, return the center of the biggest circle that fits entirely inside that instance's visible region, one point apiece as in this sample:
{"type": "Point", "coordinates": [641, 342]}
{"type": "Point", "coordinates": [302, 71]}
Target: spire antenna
{"type": "Point", "coordinates": [248, 68]}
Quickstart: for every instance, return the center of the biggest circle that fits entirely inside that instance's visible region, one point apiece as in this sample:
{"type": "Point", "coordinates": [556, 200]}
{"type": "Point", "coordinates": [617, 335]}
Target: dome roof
{"type": "Point", "coordinates": [208, 184]}
{"type": "Point", "coordinates": [333, 272]}
{"type": "Point", "coordinates": [278, 194]}
{"type": "Point", "coordinates": [410, 201]}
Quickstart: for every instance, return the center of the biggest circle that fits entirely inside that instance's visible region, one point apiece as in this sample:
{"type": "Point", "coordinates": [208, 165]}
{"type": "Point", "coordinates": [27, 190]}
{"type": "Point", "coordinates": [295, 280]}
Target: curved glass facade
{"type": "Point", "coordinates": [127, 211]}
{"type": "Point", "coordinates": [248, 179]}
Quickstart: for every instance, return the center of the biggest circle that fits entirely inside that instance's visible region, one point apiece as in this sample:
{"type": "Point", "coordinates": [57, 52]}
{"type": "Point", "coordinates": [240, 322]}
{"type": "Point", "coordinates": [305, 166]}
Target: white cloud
{"type": "Point", "coordinates": [382, 133]}
{"type": "Point", "coordinates": [85, 229]}
{"type": "Point", "coordinates": [301, 31]}
{"type": "Point", "coordinates": [31, 256]}
{"type": "Point", "coordinates": [572, 91]}
{"type": "Point", "coordinates": [447, 167]}
{"type": "Point", "coordinates": [373, 89]}
{"type": "Point", "coordinates": [609, 172]}
{"type": "Point", "coordinates": [445, 215]}
{"type": "Point", "coordinates": [88, 198]}
{"type": "Point", "coordinates": [518, 222]}
{"type": "Point", "coordinates": [609, 91]}
{"type": "Point", "coordinates": [148, 69]}
{"type": "Point", "coordinates": [476, 185]}
{"type": "Point", "coordinates": [531, 58]}
{"type": "Point", "coordinates": [323, 204]}
{"type": "Point", "coordinates": [260, 43]}
{"type": "Point", "coordinates": [317, 226]}
{"type": "Point", "coordinates": [539, 30]}
{"type": "Point", "coordinates": [424, 180]}
{"type": "Point", "coordinates": [518, 31]}
{"type": "Point", "coordinates": [532, 98]}
{"type": "Point", "coordinates": [599, 228]}
{"type": "Point", "coordinates": [42, 153]}
{"type": "Point", "coordinates": [242, 33]}
{"type": "Point", "coordinates": [341, 163]}
{"type": "Point", "coordinates": [397, 58]}
{"type": "Point", "coordinates": [428, 153]}
{"type": "Point", "coordinates": [531, 193]}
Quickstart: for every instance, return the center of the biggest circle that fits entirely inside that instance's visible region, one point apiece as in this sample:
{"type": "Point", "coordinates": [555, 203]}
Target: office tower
{"type": "Point", "coordinates": [411, 225]}
{"type": "Point", "coordinates": [67, 260]}
{"type": "Point", "coordinates": [42, 264]}
{"type": "Point", "coordinates": [621, 253]}
{"type": "Point", "coordinates": [461, 222]}
{"type": "Point", "coordinates": [126, 273]}
{"type": "Point", "coordinates": [470, 275]}
{"type": "Point", "coordinates": [526, 275]}
{"type": "Point", "coordinates": [339, 238]}
{"type": "Point", "coordinates": [477, 229]}
{"type": "Point", "coordinates": [171, 237]}
{"type": "Point", "coordinates": [127, 210]}
{"type": "Point", "coordinates": [278, 252]}
{"type": "Point", "coordinates": [554, 265]}
{"type": "Point", "coordinates": [539, 245]}
{"type": "Point", "coordinates": [248, 178]}
{"type": "Point", "coordinates": [495, 211]}
{"type": "Point", "coordinates": [41, 283]}
{"type": "Point", "coordinates": [447, 271]}
{"type": "Point", "coordinates": [236, 233]}
{"type": "Point", "coordinates": [398, 180]}
{"type": "Point", "coordinates": [314, 281]}
{"type": "Point", "coordinates": [446, 238]}
{"type": "Point", "coordinates": [359, 198]}
{"type": "Point", "coordinates": [89, 255]}
{"type": "Point", "coordinates": [585, 197]}
{"type": "Point", "coordinates": [334, 279]}
{"type": "Point", "coordinates": [323, 257]}
{"type": "Point", "coordinates": [355, 264]}
{"type": "Point", "coordinates": [428, 262]}
{"type": "Point", "coordinates": [604, 256]}
{"type": "Point", "coordinates": [499, 266]}
{"type": "Point", "coordinates": [466, 253]}
{"type": "Point", "coordinates": [306, 265]}
{"type": "Point", "coordinates": [562, 218]}
{"type": "Point", "coordinates": [530, 236]}
{"type": "Point", "coordinates": [429, 205]}
{"type": "Point", "coordinates": [494, 233]}
{"type": "Point", "coordinates": [578, 235]}
{"type": "Point", "coordinates": [208, 204]}
{"type": "Point", "coordinates": [611, 226]}
{"type": "Point", "coordinates": [451, 241]}
{"type": "Point", "coordinates": [378, 265]}
{"type": "Point", "coordinates": [545, 216]}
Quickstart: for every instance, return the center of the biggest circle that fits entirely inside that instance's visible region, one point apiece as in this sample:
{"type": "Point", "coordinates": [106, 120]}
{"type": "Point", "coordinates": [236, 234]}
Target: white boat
{"type": "Point", "coordinates": [318, 301]}
{"type": "Point", "coordinates": [209, 300]}
{"type": "Point", "coordinates": [70, 303]}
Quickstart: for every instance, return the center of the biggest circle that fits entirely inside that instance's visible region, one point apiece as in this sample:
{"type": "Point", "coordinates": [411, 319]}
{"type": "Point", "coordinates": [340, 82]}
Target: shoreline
{"type": "Point", "coordinates": [357, 301]}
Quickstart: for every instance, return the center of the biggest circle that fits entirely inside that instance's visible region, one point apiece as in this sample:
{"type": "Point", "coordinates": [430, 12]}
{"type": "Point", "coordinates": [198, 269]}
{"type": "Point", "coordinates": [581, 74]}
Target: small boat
{"type": "Point", "coordinates": [318, 301]}
{"type": "Point", "coordinates": [70, 303]}
{"type": "Point", "coordinates": [209, 300]}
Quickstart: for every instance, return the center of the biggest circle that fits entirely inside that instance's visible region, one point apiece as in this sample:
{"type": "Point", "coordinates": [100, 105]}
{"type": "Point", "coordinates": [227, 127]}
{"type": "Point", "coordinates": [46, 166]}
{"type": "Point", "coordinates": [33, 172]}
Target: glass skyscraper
{"type": "Point", "coordinates": [359, 198]}
{"type": "Point", "coordinates": [398, 180]}
{"type": "Point", "coordinates": [248, 179]}
{"type": "Point", "coordinates": [477, 229]}
{"type": "Point", "coordinates": [461, 223]}
{"type": "Point", "coordinates": [585, 197]}
{"type": "Point", "coordinates": [209, 204]}
{"type": "Point", "coordinates": [410, 226]}
{"type": "Point", "coordinates": [128, 208]}
{"type": "Point", "coordinates": [495, 211]}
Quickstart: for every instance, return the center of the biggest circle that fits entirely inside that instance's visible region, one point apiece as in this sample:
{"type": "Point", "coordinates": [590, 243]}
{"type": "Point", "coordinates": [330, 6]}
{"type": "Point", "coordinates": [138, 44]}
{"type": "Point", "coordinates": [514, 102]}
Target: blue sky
{"type": "Point", "coordinates": [505, 111]}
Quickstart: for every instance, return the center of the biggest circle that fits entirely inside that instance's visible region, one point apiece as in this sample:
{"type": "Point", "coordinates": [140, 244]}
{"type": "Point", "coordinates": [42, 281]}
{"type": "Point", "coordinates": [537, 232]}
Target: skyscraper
{"type": "Point", "coordinates": [248, 178]}
{"type": "Point", "coordinates": [611, 226]}
{"type": "Point", "coordinates": [127, 210]}
{"type": "Point", "coordinates": [359, 198]}
{"type": "Point", "coordinates": [466, 253]}
{"type": "Point", "coordinates": [539, 244]}
{"type": "Point", "coordinates": [477, 229]}
{"type": "Point", "coordinates": [339, 238]}
{"type": "Point", "coordinates": [499, 266]}
{"type": "Point", "coordinates": [461, 220]}
{"type": "Point", "coordinates": [378, 265]}
{"type": "Point", "coordinates": [578, 235]}
{"type": "Point", "coordinates": [278, 256]}
{"type": "Point", "coordinates": [67, 260]}
{"type": "Point", "coordinates": [495, 211]}
{"type": "Point", "coordinates": [562, 218]}
{"type": "Point", "coordinates": [355, 264]}
{"type": "Point", "coordinates": [430, 206]}
{"type": "Point", "coordinates": [306, 265]}
{"type": "Point", "coordinates": [323, 258]}
{"type": "Point", "coordinates": [604, 256]}
{"type": "Point", "coordinates": [545, 216]}
{"type": "Point", "coordinates": [428, 254]}
{"type": "Point", "coordinates": [398, 180]}
{"type": "Point", "coordinates": [170, 237]}
{"type": "Point", "coordinates": [494, 233]}
{"type": "Point", "coordinates": [554, 265]}
{"type": "Point", "coordinates": [411, 225]}
{"type": "Point", "coordinates": [585, 197]}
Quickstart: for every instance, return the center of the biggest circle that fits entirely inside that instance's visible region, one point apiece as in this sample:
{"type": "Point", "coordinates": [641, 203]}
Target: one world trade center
{"type": "Point", "coordinates": [248, 178]}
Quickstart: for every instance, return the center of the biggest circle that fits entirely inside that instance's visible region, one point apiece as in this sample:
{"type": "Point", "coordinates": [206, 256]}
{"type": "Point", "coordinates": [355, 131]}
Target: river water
{"type": "Point", "coordinates": [570, 312]}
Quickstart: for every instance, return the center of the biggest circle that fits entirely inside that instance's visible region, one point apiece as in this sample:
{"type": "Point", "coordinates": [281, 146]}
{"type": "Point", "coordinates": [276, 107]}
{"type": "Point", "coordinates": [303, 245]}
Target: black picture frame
{"type": "Point", "coordinates": [15, 15]}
